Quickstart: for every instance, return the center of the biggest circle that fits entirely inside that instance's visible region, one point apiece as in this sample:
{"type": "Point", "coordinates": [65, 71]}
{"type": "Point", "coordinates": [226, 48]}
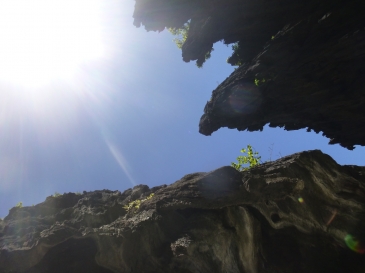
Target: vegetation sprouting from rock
{"type": "Point", "coordinates": [181, 36]}
{"type": "Point", "coordinates": [251, 159]}
{"type": "Point", "coordinates": [136, 203]}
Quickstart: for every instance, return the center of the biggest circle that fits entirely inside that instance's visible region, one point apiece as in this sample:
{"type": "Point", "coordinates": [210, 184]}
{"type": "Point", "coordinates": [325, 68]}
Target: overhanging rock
{"type": "Point", "coordinates": [308, 76]}
{"type": "Point", "coordinates": [302, 62]}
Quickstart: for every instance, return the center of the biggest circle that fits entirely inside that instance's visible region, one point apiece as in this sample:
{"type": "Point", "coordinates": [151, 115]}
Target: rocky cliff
{"type": "Point", "coordinates": [302, 62]}
{"type": "Point", "coordinates": [302, 213]}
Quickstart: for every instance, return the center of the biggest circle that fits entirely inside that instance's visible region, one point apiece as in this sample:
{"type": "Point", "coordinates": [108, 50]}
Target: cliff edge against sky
{"type": "Point", "coordinates": [301, 66]}
{"type": "Point", "coordinates": [301, 62]}
{"type": "Point", "coordinates": [302, 213]}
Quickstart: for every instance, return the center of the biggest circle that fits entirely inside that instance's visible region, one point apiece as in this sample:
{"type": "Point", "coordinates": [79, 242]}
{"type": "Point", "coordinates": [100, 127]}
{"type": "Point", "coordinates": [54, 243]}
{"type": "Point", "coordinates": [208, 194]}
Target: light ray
{"type": "Point", "coordinates": [122, 162]}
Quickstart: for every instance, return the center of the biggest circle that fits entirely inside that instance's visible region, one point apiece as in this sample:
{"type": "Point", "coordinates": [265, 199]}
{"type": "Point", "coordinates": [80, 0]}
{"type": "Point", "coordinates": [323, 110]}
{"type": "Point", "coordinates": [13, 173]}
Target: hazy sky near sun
{"type": "Point", "coordinates": [88, 101]}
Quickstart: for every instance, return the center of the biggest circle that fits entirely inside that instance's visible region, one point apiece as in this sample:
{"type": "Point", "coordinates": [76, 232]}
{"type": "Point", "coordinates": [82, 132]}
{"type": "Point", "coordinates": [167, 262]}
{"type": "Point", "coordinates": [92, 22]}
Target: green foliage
{"type": "Point", "coordinates": [181, 36]}
{"type": "Point", "coordinates": [199, 63]}
{"type": "Point", "coordinates": [136, 203]}
{"type": "Point", "coordinates": [258, 82]}
{"type": "Point", "coordinates": [56, 194]}
{"type": "Point", "coordinates": [236, 58]}
{"type": "Point", "coordinates": [19, 205]}
{"type": "Point", "coordinates": [181, 33]}
{"type": "Point", "coordinates": [252, 159]}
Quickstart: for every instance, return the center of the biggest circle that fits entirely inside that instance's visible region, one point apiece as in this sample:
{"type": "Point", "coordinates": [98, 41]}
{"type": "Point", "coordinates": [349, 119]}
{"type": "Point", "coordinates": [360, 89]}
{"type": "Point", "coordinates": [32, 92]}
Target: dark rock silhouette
{"type": "Point", "coordinates": [302, 213]}
{"type": "Point", "coordinates": [306, 58]}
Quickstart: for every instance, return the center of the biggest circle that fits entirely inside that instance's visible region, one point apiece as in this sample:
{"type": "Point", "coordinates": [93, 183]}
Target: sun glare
{"type": "Point", "coordinates": [48, 40]}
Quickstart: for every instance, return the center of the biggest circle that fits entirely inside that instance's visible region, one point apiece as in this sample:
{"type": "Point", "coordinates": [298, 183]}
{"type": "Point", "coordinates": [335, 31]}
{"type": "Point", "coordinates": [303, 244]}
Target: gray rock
{"type": "Point", "coordinates": [306, 58]}
{"type": "Point", "coordinates": [301, 213]}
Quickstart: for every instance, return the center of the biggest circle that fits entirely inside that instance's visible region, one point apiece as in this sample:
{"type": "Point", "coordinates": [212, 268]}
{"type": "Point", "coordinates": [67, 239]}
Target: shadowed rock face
{"type": "Point", "coordinates": [302, 213]}
{"type": "Point", "coordinates": [306, 57]}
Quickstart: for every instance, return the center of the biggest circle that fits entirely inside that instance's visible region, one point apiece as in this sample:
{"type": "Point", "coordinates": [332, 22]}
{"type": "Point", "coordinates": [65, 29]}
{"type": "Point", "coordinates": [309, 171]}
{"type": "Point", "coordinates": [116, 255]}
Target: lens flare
{"type": "Point", "coordinates": [354, 244]}
{"type": "Point", "coordinates": [333, 216]}
{"type": "Point", "coordinates": [245, 98]}
{"type": "Point", "coordinates": [121, 160]}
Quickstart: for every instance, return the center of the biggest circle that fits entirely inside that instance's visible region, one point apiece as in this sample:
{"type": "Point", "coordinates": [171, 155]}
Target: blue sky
{"type": "Point", "coordinates": [128, 118]}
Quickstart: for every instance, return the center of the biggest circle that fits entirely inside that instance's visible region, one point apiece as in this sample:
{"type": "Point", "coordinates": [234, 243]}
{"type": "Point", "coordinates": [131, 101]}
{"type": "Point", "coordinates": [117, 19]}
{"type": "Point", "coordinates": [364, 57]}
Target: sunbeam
{"type": "Point", "coordinates": [122, 162]}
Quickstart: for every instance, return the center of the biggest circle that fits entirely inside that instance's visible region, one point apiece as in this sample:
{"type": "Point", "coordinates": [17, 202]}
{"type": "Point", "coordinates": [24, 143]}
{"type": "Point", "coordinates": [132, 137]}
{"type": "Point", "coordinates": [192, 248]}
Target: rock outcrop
{"type": "Point", "coordinates": [302, 62]}
{"type": "Point", "coordinates": [302, 213]}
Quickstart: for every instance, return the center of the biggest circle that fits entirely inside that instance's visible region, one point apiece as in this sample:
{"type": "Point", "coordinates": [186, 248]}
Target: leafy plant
{"type": "Point", "coordinates": [136, 203]}
{"type": "Point", "coordinates": [19, 205]}
{"type": "Point", "coordinates": [56, 194]}
{"type": "Point", "coordinates": [252, 159]}
{"type": "Point", "coordinates": [258, 82]}
{"type": "Point", "coordinates": [181, 36]}
{"type": "Point", "coordinates": [235, 59]}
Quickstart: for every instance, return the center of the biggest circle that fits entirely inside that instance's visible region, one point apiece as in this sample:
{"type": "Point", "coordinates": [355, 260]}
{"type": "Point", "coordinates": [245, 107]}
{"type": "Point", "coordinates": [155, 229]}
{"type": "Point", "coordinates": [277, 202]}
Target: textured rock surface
{"type": "Point", "coordinates": [298, 214]}
{"type": "Point", "coordinates": [309, 75]}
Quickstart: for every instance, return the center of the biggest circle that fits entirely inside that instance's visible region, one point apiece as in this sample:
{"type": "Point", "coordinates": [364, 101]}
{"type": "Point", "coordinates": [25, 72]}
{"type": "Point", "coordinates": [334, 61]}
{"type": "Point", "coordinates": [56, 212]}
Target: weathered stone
{"type": "Point", "coordinates": [306, 58]}
{"type": "Point", "coordinates": [307, 76]}
{"type": "Point", "coordinates": [297, 214]}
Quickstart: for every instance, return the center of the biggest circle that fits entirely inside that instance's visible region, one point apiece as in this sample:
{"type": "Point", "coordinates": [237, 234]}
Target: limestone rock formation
{"type": "Point", "coordinates": [302, 62]}
{"type": "Point", "coordinates": [302, 213]}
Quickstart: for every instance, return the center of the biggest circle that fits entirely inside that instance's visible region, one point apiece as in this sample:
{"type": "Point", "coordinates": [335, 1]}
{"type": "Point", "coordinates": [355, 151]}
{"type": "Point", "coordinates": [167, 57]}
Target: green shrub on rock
{"type": "Point", "coordinates": [252, 159]}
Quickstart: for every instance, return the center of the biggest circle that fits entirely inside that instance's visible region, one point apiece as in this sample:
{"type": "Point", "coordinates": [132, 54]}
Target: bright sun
{"type": "Point", "coordinates": [48, 40]}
